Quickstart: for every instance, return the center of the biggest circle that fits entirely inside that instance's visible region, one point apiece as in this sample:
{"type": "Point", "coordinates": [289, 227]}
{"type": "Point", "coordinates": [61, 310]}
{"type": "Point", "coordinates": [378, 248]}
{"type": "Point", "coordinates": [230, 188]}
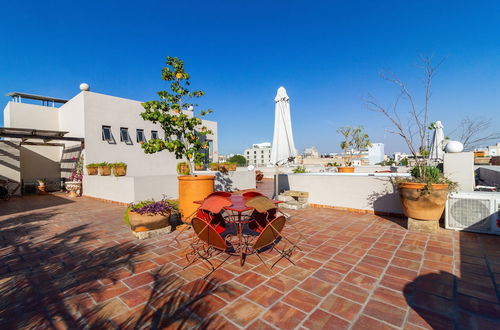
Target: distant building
{"type": "Point", "coordinates": [376, 153]}
{"type": "Point", "coordinates": [399, 156]}
{"type": "Point", "coordinates": [490, 151]}
{"type": "Point", "coordinates": [259, 154]}
{"type": "Point", "coordinates": [311, 152]}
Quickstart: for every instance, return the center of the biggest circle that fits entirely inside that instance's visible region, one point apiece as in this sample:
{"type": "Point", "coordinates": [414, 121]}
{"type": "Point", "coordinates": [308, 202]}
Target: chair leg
{"type": "Point", "coordinates": [262, 260]}
{"type": "Point", "coordinates": [218, 266]}
{"type": "Point", "coordinates": [284, 254]}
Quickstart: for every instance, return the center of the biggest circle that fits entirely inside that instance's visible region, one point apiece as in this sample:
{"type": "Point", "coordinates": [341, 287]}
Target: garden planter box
{"type": "Point", "coordinates": [345, 169]}
{"type": "Point", "coordinates": [119, 170]}
{"type": "Point", "coordinates": [147, 222]}
{"type": "Point", "coordinates": [92, 170]}
{"type": "Point", "coordinates": [104, 170]}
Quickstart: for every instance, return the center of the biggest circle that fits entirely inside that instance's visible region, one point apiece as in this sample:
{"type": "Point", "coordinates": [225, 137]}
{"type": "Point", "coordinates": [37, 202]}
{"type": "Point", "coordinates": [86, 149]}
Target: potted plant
{"type": "Point", "coordinates": [104, 169]}
{"type": "Point", "coordinates": [185, 135]}
{"type": "Point", "coordinates": [354, 139]}
{"type": "Point", "coordinates": [92, 168]}
{"type": "Point", "coordinates": [231, 166]}
{"type": "Point", "coordinates": [198, 166]}
{"type": "Point", "coordinates": [424, 194]}
{"type": "Point", "coordinates": [74, 182]}
{"type": "Point", "coordinates": [41, 186]}
{"type": "Point", "coordinates": [214, 166]}
{"type": "Point", "coordinates": [148, 215]}
{"type": "Point", "coordinates": [183, 168]}
{"type": "Point", "coordinates": [259, 175]}
{"type": "Point", "coordinates": [119, 169]}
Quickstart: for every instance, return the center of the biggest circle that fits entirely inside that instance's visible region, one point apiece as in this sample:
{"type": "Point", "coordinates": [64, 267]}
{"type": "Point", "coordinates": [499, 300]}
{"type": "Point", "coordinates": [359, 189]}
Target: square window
{"type": "Point", "coordinates": [154, 135]}
{"type": "Point", "coordinates": [106, 134]}
{"type": "Point", "coordinates": [124, 136]}
{"type": "Point", "coordinates": [140, 136]}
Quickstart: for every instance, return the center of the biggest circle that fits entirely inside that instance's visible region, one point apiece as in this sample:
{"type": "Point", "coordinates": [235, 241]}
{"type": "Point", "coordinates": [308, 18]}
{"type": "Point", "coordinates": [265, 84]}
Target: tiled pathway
{"type": "Point", "coordinates": [72, 263]}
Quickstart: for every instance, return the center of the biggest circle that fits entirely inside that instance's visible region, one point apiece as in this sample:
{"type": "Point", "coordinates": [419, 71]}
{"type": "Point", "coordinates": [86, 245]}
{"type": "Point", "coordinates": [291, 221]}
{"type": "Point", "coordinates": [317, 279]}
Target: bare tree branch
{"type": "Point", "coordinates": [473, 132]}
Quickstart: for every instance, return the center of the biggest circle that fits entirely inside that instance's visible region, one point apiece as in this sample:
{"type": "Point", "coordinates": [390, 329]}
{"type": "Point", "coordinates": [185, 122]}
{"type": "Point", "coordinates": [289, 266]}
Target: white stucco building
{"type": "Point", "coordinates": [376, 153]}
{"type": "Point", "coordinates": [259, 154]}
{"type": "Point", "coordinates": [110, 129]}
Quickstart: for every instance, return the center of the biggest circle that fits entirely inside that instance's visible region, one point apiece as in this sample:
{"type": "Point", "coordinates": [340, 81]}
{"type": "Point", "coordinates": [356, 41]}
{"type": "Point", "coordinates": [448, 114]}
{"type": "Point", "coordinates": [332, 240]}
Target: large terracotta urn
{"type": "Point", "coordinates": [193, 188]}
{"type": "Point", "coordinates": [421, 204]}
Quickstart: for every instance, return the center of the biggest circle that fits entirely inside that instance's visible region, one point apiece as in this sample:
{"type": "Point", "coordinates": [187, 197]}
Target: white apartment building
{"type": "Point", "coordinates": [376, 153]}
{"type": "Point", "coordinates": [105, 129]}
{"type": "Point", "coordinates": [259, 154]}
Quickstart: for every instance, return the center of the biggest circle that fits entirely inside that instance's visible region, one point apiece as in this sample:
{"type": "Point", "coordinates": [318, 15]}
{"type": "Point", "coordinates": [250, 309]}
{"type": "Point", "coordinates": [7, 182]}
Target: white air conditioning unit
{"type": "Point", "coordinates": [474, 211]}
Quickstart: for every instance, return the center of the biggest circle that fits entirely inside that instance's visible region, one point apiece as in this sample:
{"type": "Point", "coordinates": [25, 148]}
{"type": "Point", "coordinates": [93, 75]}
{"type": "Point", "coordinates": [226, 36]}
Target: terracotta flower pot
{"type": "Point", "coordinates": [421, 205]}
{"type": "Point", "coordinates": [183, 168]}
{"type": "Point", "coordinates": [119, 170]}
{"type": "Point", "coordinates": [74, 188]}
{"type": "Point", "coordinates": [41, 190]}
{"type": "Point", "coordinates": [193, 188]}
{"type": "Point", "coordinates": [198, 167]}
{"type": "Point", "coordinates": [345, 169]}
{"type": "Point", "coordinates": [104, 170]}
{"type": "Point", "coordinates": [92, 170]}
{"type": "Point", "coordinates": [146, 222]}
{"type": "Point", "coordinates": [214, 167]}
{"type": "Point", "coordinates": [231, 167]}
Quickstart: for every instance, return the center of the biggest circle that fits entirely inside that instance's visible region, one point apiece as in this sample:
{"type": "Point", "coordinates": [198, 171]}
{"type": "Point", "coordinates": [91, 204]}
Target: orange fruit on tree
{"type": "Point", "coordinates": [178, 75]}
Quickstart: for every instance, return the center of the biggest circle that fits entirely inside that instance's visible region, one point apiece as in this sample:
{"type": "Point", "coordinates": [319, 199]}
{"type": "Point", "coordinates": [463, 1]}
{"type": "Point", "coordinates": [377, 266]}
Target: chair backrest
{"type": "Point", "coordinates": [260, 203]}
{"type": "Point", "coordinates": [215, 203]}
{"type": "Point", "coordinates": [250, 194]}
{"type": "Point", "coordinates": [208, 234]}
{"type": "Point", "coordinates": [220, 193]}
{"type": "Point", "coordinates": [270, 233]}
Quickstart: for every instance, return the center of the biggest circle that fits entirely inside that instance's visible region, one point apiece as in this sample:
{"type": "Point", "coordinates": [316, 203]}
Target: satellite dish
{"type": "Point", "coordinates": [251, 167]}
{"type": "Point", "coordinates": [84, 87]}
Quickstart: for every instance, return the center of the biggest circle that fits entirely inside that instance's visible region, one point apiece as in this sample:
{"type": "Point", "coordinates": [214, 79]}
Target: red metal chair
{"type": "Point", "coordinates": [268, 237]}
{"type": "Point", "coordinates": [250, 194]}
{"type": "Point", "coordinates": [264, 211]}
{"type": "Point", "coordinates": [210, 244]}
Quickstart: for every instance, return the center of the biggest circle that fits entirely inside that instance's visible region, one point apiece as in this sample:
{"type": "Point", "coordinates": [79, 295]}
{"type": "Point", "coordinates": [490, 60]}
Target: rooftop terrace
{"type": "Point", "coordinates": [70, 263]}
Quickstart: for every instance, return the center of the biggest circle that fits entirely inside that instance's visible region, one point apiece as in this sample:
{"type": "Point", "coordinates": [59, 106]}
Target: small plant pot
{"type": "Point", "coordinates": [345, 169]}
{"type": "Point", "coordinates": [259, 176]}
{"type": "Point", "coordinates": [214, 167]}
{"type": "Point", "coordinates": [198, 167]}
{"type": "Point", "coordinates": [224, 168]}
{"type": "Point", "coordinates": [420, 204]}
{"type": "Point", "coordinates": [41, 190]}
{"type": "Point", "coordinates": [231, 167]}
{"type": "Point", "coordinates": [147, 222]}
{"type": "Point", "coordinates": [119, 170]}
{"type": "Point", "coordinates": [104, 170]}
{"type": "Point", "coordinates": [92, 170]}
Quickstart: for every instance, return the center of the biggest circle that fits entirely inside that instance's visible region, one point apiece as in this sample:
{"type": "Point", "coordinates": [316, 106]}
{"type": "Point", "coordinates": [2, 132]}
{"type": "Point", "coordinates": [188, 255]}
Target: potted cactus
{"type": "Point", "coordinates": [119, 169]}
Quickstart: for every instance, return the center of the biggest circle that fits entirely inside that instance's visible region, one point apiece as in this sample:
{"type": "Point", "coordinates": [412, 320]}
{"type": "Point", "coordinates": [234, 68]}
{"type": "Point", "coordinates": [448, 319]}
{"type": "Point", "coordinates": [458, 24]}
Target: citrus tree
{"type": "Point", "coordinates": [185, 136]}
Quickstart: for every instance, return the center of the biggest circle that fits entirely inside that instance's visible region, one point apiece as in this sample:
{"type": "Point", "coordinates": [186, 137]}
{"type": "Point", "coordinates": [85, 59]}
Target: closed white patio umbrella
{"type": "Point", "coordinates": [437, 152]}
{"type": "Point", "coordinates": [283, 147]}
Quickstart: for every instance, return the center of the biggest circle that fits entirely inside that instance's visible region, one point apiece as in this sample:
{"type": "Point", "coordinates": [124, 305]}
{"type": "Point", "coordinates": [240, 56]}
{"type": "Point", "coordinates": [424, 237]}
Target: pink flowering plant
{"type": "Point", "coordinates": [77, 173]}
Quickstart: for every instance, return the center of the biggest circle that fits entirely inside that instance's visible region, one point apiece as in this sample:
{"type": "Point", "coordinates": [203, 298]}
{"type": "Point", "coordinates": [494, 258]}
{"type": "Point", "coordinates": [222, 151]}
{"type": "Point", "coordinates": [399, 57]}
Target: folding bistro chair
{"type": "Point", "coordinates": [268, 238]}
{"type": "Point", "coordinates": [210, 244]}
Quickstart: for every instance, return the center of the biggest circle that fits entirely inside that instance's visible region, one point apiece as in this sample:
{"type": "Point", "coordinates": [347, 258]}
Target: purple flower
{"type": "Point", "coordinates": [151, 208]}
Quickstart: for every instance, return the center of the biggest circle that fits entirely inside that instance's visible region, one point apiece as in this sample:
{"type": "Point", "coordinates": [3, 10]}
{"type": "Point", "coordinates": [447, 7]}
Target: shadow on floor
{"type": "Point", "coordinates": [469, 301]}
{"type": "Point", "coordinates": [47, 277]}
{"type": "Point", "coordinates": [18, 204]}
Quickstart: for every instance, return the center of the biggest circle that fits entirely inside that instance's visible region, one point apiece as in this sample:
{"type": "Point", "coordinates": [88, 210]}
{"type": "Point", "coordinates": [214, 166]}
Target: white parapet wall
{"type": "Point", "coordinates": [129, 189]}
{"type": "Point", "coordinates": [370, 192]}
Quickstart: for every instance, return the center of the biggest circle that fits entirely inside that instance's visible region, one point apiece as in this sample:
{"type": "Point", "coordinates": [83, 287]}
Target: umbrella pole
{"type": "Point", "coordinates": [276, 182]}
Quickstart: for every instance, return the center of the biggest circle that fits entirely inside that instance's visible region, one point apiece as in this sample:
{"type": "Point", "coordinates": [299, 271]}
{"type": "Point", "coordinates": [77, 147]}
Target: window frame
{"type": "Point", "coordinates": [154, 132]}
{"type": "Point", "coordinates": [140, 131]}
{"type": "Point", "coordinates": [108, 128]}
{"type": "Point", "coordinates": [128, 140]}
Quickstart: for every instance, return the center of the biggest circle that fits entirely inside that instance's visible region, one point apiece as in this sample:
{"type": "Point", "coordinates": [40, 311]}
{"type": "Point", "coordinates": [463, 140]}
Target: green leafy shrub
{"type": "Point", "coordinates": [183, 168]}
{"type": "Point", "coordinates": [300, 169]}
{"type": "Point", "coordinates": [92, 165]}
{"type": "Point", "coordinates": [120, 164]}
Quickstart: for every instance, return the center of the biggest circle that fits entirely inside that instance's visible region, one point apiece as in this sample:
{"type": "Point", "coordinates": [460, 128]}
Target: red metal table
{"type": "Point", "coordinates": [238, 219]}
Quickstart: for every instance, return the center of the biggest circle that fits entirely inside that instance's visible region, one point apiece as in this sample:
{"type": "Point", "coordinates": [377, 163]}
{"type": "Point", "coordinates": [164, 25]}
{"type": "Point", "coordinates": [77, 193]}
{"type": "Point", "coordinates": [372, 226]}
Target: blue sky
{"type": "Point", "coordinates": [328, 55]}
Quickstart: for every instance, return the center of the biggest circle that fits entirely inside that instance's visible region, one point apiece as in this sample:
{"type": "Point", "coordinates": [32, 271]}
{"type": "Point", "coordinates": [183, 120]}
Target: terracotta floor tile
{"type": "Point", "coordinates": [352, 292]}
{"type": "Point", "coordinates": [316, 286]}
{"type": "Point", "coordinates": [365, 322]}
{"type": "Point", "coordinates": [242, 311]}
{"type": "Point", "coordinates": [328, 276]}
{"type": "Point", "coordinates": [342, 307]}
{"type": "Point", "coordinates": [264, 295]}
{"type": "Point", "coordinates": [282, 283]}
{"type": "Point", "coordinates": [259, 325]}
{"type": "Point", "coordinates": [251, 279]}
{"type": "Point", "coordinates": [322, 320]}
{"type": "Point", "coordinates": [297, 273]}
{"type": "Point", "coordinates": [284, 316]}
{"type": "Point", "coordinates": [361, 280]}
{"type": "Point", "coordinates": [137, 296]}
{"type": "Point", "coordinates": [393, 297]}
{"type": "Point", "coordinates": [385, 312]}
{"type": "Point", "coordinates": [338, 266]}
{"type": "Point", "coordinates": [403, 273]}
{"type": "Point", "coordinates": [302, 300]}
